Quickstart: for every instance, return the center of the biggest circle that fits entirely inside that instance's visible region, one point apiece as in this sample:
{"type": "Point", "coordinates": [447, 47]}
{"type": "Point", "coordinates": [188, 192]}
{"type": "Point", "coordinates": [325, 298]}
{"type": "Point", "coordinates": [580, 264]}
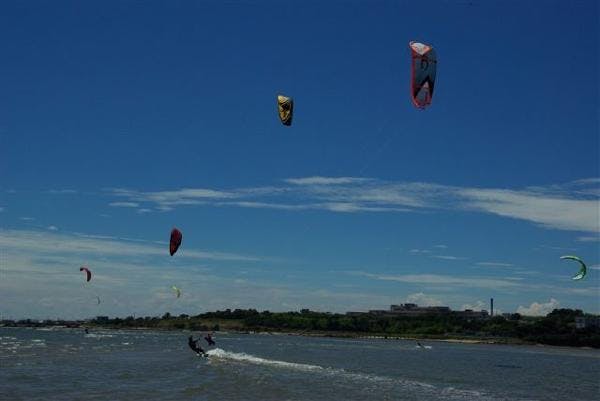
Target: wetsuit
{"type": "Point", "coordinates": [194, 345]}
{"type": "Point", "coordinates": [209, 339]}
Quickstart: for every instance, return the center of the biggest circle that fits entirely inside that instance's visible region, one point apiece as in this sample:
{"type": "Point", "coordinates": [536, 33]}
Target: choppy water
{"type": "Point", "coordinates": [42, 364]}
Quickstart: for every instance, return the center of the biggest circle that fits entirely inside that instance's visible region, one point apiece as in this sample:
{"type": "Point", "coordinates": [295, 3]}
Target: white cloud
{"type": "Point", "coordinates": [437, 279]}
{"type": "Point", "coordinates": [587, 181]}
{"type": "Point", "coordinates": [494, 264]}
{"type": "Point", "coordinates": [27, 218]}
{"type": "Point", "coordinates": [62, 191]}
{"type": "Point", "coordinates": [539, 309]}
{"type": "Point", "coordinates": [477, 306]}
{"type": "Point", "coordinates": [52, 228]}
{"type": "Point", "coordinates": [552, 211]}
{"type": "Point", "coordinates": [589, 239]}
{"type": "Point", "coordinates": [168, 199]}
{"type": "Point", "coordinates": [423, 300]}
{"type": "Point", "coordinates": [441, 246]}
{"type": "Point", "coordinates": [37, 242]}
{"type": "Point", "coordinates": [124, 204]}
{"type": "Point", "coordinates": [439, 282]}
{"type": "Point", "coordinates": [349, 207]}
{"type": "Point", "coordinates": [448, 257]}
{"type": "Point", "coordinates": [571, 206]}
{"type": "Point", "coordinates": [325, 180]}
{"type": "Point", "coordinates": [416, 251]}
{"type": "Point", "coordinates": [595, 267]}
{"type": "Point", "coordinates": [265, 205]}
{"type": "Point", "coordinates": [556, 248]}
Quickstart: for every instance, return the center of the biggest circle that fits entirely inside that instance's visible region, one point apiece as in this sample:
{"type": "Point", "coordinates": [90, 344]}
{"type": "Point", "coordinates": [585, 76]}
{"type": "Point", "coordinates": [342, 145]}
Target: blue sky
{"type": "Point", "coordinates": [120, 120]}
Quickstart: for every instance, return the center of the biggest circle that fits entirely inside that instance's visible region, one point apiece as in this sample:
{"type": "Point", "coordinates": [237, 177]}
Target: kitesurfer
{"type": "Point", "coordinates": [194, 346]}
{"type": "Point", "coordinates": [419, 345]}
{"type": "Point", "coordinates": [209, 339]}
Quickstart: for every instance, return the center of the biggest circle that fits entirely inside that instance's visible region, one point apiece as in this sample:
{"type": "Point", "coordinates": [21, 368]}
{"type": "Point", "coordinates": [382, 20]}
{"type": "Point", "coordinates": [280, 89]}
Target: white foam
{"type": "Point", "coordinates": [242, 357]}
{"type": "Point", "coordinates": [450, 393]}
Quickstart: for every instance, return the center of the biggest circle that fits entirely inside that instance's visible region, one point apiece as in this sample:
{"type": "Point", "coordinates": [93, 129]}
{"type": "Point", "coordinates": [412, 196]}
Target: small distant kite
{"type": "Point", "coordinates": [98, 298]}
{"type": "Point", "coordinates": [423, 69]}
{"type": "Point", "coordinates": [582, 271]}
{"type": "Point", "coordinates": [87, 272]}
{"type": "Point", "coordinates": [285, 107]}
{"type": "Point", "coordinates": [177, 291]}
{"type": "Point", "coordinates": [176, 237]}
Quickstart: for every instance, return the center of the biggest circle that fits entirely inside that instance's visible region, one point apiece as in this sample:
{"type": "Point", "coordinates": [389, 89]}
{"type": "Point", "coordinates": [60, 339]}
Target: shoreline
{"type": "Point", "coordinates": [336, 335]}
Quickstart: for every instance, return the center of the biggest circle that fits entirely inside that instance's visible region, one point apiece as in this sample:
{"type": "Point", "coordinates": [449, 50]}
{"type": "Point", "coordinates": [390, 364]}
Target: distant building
{"type": "Point", "coordinates": [378, 312]}
{"type": "Point", "coordinates": [511, 316]}
{"type": "Point", "coordinates": [585, 322]}
{"type": "Point", "coordinates": [410, 309]}
{"type": "Point", "coordinates": [354, 313]}
{"type": "Point", "coordinates": [471, 314]}
{"type": "Point", "coordinates": [416, 310]}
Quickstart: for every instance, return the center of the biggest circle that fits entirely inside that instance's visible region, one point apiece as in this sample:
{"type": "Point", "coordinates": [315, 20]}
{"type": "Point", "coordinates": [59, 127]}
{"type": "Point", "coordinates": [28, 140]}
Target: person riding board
{"type": "Point", "coordinates": [195, 347]}
{"type": "Point", "coordinates": [209, 339]}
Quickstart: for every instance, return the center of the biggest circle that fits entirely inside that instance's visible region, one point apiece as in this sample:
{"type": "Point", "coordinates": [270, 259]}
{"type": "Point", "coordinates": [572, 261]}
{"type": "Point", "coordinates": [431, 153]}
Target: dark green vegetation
{"type": "Point", "coordinates": [557, 328]}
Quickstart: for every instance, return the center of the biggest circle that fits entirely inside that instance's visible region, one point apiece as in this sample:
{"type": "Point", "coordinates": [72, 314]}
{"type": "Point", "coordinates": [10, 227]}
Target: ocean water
{"type": "Point", "coordinates": [66, 364]}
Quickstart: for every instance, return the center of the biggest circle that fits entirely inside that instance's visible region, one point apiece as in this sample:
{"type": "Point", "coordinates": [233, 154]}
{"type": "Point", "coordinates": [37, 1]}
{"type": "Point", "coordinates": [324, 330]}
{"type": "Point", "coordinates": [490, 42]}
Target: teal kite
{"type": "Point", "coordinates": [582, 271]}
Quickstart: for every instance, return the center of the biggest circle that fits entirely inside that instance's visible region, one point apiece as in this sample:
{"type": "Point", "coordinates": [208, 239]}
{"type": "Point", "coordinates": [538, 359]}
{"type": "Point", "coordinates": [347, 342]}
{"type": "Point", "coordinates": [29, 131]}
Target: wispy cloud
{"type": "Point", "coordinates": [477, 306]}
{"type": "Point", "coordinates": [572, 206]}
{"type": "Point", "coordinates": [37, 242]}
{"type": "Point", "coordinates": [27, 218]}
{"type": "Point", "coordinates": [589, 239]}
{"type": "Point", "coordinates": [494, 264]}
{"type": "Point", "coordinates": [451, 283]}
{"type": "Point", "coordinates": [124, 204]}
{"type": "Point", "coordinates": [546, 209]}
{"type": "Point", "coordinates": [326, 180]}
{"type": "Point", "coordinates": [169, 199]}
{"type": "Point", "coordinates": [61, 191]}
{"type": "Point", "coordinates": [437, 279]}
{"type": "Point", "coordinates": [265, 205]}
{"type": "Point", "coordinates": [421, 299]}
{"type": "Point", "coordinates": [539, 309]}
{"type": "Point", "coordinates": [416, 251]}
{"type": "Point", "coordinates": [556, 248]}
{"type": "Point", "coordinates": [52, 228]}
{"type": "Point", "coordinates": [448, 257]}
{"type": "Point", "coordinates": [128, 274]}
